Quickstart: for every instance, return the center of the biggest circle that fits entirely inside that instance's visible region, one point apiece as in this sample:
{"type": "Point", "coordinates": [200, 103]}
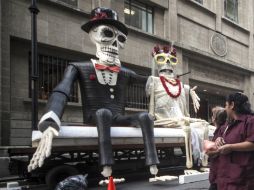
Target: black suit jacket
{"type": "Point", "coordinates": [93, 94]}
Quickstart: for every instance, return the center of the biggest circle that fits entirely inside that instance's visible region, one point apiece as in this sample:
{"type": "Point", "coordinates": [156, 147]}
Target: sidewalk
{"type": "Point", "coordinates": [145, 185]}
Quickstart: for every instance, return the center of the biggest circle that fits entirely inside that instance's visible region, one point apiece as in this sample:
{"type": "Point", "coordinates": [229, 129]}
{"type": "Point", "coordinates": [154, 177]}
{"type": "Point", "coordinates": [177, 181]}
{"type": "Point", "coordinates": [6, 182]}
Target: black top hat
{"type": "Point", "coordinates": [101, 15]}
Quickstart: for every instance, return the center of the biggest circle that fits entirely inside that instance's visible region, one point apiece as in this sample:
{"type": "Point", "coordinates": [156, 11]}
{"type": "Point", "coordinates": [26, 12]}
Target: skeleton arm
{"type": "Point", "coordinates": [150, 93]}
{"type": "Point", "coordinates": [50, 123]}
{"type": "Point", "coordinates": [138, 79]}
{"type": "Point", "coordinates": [194, 97]}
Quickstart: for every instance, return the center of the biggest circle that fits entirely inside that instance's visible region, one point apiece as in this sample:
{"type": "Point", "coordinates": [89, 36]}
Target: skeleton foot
{"type": "Point", "coordinates": [116, 180]}
{"type": "Point", "coordinates": [163, 178]}
{"type": "Point", "coordinates": [153, 169]}
{"type": "Point", "coordinates": [191, 172]}
{"type": "Point", "coordinates": [107, 171]}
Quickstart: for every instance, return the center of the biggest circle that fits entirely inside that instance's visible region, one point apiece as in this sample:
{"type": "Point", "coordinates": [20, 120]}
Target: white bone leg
{"type": "Point", "coordinates": [206, 137]}
{"type": "Point", "coordinates": [188, 148]}
{"type": "Point", "coordinates": [166, 123]}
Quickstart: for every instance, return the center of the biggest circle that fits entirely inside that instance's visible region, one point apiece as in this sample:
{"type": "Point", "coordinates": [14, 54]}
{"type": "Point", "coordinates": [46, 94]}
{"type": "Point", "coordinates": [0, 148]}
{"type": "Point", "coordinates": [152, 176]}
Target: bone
{"type": "Point", "coordinates": [188, 148]}
{"type": "Point", "coordinates": [206, 137]}
{"type": "Point", "coordinates": [191, 172]}
{"type": "Point", "coordinates": [116, 180]}
{"type": "Point", "coordinates": [162, 178]}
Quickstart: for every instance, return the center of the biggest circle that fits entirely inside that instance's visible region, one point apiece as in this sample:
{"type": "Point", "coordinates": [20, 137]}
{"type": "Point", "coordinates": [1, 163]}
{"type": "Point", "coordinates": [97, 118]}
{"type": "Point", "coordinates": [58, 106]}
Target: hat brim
{"type": "Point", "coordinates": [120, 26]}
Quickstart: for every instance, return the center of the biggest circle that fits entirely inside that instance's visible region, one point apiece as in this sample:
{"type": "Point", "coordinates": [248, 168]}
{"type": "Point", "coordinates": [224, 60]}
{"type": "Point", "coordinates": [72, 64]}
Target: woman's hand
{"type": "Point", "coordinates": [225, 149]}
{"type": "Point", "coordinates": [219, 142]}
{"type": "Point", "coordinates": [213, 153]}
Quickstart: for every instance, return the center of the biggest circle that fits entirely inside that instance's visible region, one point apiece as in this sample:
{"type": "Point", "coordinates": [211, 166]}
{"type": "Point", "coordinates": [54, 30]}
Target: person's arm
{"type": "Point", "coordinates": [50, 123]}
{"type": "Point", "coordinates": [247, 145]}
{"type": "Point", "coordinates": [213, 153]}
{"type": "Point", "coordinates": [58, 100]}
{"type": "Point", "coordinates": [138, 79]}
{"type": "Point", "coordinates": [243, 146]}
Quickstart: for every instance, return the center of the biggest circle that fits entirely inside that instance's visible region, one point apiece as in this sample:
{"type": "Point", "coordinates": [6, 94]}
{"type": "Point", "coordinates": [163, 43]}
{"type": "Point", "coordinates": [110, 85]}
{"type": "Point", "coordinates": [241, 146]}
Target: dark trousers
{"type": "Point", "coordinates": [104, 120]}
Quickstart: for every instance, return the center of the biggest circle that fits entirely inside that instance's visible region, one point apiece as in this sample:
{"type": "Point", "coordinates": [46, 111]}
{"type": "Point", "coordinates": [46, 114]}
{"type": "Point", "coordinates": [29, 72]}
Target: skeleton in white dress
{"type": "Point", "coordinates": [168, 103]}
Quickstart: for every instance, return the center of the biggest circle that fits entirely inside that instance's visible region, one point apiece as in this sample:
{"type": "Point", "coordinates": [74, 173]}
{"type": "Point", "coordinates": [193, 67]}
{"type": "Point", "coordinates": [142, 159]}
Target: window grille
{"type": "Point", "coordinates": [51, 71]}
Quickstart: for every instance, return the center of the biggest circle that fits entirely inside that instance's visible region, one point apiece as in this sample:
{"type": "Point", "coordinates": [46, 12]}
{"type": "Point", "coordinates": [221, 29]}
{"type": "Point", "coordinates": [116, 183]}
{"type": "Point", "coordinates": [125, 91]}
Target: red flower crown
{"type": "Point", "coordinates": [164, 49]}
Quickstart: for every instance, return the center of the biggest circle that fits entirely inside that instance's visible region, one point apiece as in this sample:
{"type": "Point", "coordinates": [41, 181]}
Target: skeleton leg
{"type": "Point", "coordinates": [103, 123]}
{"type": "Point", "coordinates": [188, 148]}
{"type": "Point", "coordinates": [206, 137]}
{"type": "Point", "coordinates": [145, 121]}
{"type": "Point", "coordinates": [167, 123]}
{"type": "Point", "coordinates": [146, 124]}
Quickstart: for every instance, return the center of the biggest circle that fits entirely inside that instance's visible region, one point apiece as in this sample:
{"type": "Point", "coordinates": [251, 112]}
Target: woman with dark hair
{"type": "Point", "coordinates": [219, 117]}
{"type": "Point", "coordinates": [235, 163]}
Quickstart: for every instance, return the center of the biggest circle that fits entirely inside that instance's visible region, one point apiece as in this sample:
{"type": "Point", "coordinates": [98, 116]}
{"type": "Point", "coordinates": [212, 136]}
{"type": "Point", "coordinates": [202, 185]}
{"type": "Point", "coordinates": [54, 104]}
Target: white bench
{"type": "Point", "coordinates": [87, 136]}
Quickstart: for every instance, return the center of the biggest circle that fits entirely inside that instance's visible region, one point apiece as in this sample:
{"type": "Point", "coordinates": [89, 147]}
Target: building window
{"type": "Point", "coordinates": [73, 3]}
{"type": "Point", "coordinates": [199, 1]}
{"type": "Point", "coordinates": [136, 97]}
{"type": "Point", "coordinates": [139, 15]}
{"type": "Point", "coordinates": [51, 70]}
{"type": "Point", "coordinates": [231, 9]}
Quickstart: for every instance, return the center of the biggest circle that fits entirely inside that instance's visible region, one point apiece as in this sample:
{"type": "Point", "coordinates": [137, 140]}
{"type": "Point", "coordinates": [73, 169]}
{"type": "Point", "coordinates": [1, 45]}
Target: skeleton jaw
{"type": "Point", "coordinates": [108, 55]}
{"type": "Point", "coordinates": [169, 73]}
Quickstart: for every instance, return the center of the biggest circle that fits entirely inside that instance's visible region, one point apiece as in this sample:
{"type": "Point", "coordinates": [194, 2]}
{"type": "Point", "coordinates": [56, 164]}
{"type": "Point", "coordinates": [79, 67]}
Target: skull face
{"type": "Point", "coordinates": [165, 63]}
{"type": "Point", "coordinates": [108, 39]}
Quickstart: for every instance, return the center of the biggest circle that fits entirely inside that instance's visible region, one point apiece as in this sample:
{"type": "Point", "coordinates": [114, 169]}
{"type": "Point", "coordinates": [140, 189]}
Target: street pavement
{"type": "Point", "coordinates": [141, 185]}
{"type": "Point", "coordinates": [171, 185]}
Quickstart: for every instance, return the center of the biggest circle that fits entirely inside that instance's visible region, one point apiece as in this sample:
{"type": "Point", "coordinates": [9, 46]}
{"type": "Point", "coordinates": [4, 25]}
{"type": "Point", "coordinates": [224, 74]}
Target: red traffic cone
{"type": "Point", "coordinates": [111, 184]}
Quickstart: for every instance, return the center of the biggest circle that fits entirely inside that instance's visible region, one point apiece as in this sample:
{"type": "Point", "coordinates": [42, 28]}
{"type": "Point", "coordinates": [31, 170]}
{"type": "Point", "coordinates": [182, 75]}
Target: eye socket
{"type": "Point", "coordinates": [108, 33]}
{"type": "Point", "coordinates": [121, 38]}
{"type": "Point", "coordinates": [160, 58]}
{"type": "Point", "coordinates": [173, 60]}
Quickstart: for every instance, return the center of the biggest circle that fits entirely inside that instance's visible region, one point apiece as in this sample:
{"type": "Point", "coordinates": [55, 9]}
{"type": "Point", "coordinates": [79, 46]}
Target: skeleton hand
{"type": "Point", "coordinates": [43, 150]}
{"type": "Point", "coordinates": [195, 98]}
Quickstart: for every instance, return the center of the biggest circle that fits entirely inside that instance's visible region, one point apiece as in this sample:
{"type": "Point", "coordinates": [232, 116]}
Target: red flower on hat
{"type": "Point", "coordinates": [100, 15]}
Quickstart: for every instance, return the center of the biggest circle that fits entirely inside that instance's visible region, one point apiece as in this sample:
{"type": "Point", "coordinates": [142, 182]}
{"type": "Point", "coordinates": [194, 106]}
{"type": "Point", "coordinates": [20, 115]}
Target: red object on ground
{"type": "Point", "coordinates": [111, 184]}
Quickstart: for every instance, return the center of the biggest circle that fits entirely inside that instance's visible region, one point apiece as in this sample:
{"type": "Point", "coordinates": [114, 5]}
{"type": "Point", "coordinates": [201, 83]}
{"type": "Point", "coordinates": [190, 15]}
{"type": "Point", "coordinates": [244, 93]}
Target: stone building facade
{"type": "Point", "coordinates": [214, 40]}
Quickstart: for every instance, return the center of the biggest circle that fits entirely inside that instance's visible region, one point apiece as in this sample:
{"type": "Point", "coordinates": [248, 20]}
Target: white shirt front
{"type": "Point", "coordinates": [105, 77]}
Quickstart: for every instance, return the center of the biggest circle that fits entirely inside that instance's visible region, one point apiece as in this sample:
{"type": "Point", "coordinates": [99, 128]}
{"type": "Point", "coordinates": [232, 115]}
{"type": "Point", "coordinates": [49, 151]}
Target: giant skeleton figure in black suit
{"type": "Point", "coordinates": [103, 83]}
